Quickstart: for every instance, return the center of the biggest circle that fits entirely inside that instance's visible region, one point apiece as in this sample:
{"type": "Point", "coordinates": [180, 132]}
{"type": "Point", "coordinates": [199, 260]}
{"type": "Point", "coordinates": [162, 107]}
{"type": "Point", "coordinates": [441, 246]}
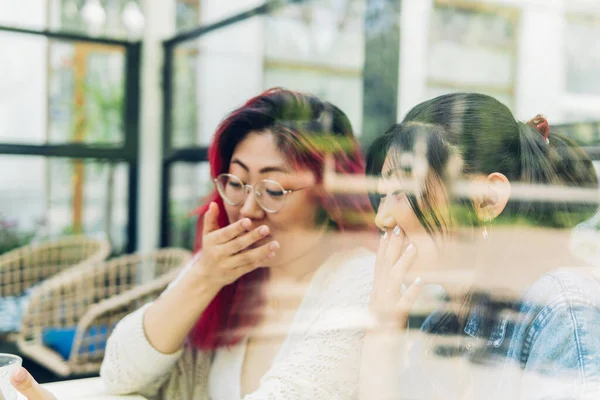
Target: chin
{"type": "Point", "coordinates": [272, 263]}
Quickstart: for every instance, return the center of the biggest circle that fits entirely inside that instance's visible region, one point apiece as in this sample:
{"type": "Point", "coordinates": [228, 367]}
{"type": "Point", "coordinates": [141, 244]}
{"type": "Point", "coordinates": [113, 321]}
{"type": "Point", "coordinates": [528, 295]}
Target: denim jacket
{"type": "Point", "coordinates": [547, 345]}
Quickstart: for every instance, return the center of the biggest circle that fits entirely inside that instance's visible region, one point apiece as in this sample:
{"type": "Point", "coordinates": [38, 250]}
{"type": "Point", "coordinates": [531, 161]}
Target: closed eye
{"type": "Point", "coordinates": [274, 193]}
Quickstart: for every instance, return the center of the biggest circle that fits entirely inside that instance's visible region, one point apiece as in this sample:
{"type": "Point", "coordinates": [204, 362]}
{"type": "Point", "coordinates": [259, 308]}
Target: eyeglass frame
{"type": "Point", "coordinates": [247, 186]}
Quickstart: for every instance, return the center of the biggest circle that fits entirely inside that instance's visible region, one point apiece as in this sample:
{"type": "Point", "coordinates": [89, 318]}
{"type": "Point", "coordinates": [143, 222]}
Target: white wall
{"type": "Point", "coordinates": [159, 25]}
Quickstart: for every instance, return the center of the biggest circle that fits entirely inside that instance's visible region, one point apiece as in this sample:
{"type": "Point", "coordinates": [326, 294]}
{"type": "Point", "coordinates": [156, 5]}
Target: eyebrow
{"type": "Point", "coordinates": [392, 171]}
{"type": "Point", "coordinates": [274, 168]}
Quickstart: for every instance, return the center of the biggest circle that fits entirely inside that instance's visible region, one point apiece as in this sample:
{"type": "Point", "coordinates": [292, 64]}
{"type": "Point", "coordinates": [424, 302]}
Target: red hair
{"type": "Point", "coordinates": [306, 130]}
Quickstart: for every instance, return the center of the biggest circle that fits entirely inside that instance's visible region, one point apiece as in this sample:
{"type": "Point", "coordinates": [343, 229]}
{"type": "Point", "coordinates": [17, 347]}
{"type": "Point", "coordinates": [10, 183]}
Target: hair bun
{"type": "Point", "coordinates": [540, 123]}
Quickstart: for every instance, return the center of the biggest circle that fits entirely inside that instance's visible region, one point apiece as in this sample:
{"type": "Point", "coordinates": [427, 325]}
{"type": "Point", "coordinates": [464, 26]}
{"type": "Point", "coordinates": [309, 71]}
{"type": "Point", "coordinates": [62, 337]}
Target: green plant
{"type": "Point", "coordinates": [11, 237]}
{"type": "Point", "coordinates": [183, 226]}
{"type": "Point", "coordinates": [104, 124]}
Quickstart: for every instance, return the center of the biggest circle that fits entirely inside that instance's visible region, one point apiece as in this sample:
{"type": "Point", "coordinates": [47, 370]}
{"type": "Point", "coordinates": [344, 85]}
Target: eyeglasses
{"type": "Point", "coordinates": [269, 195]}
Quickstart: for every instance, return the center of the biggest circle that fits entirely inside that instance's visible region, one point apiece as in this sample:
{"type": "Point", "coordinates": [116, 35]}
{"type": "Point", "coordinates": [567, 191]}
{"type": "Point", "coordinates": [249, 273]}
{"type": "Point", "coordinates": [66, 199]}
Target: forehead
{"type": "Point", "coordinates": [396, 164]}
{"type": "Point", "coordinates": [258, 150]}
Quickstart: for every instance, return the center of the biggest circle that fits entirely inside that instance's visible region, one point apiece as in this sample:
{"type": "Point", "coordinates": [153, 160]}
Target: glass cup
{"type": "Point", "coordinates": [8, 364]}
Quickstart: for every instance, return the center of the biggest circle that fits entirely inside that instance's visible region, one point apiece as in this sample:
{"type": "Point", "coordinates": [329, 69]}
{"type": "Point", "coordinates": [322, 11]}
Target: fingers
{"type": "Point", "coordinates": [28, 387]}
{"type": "Point", "coordinates": [230, 232]}
{"type": "Point", "coordinates": [382, 249]}
{"type": "Point", "coordinates": [238, 244]}
{"type": "Point", "coordinates": [396, 315]}
{"type": "Point", "coordinates": [395, 247]}
{"type": "Point", "coordinates": [409, 298]}
{"type": "Point", "coordinates": [384, 242]}
{"type": "Point", "coordinates": [400, 267]}
{"type": "Point", "coordinates": [254, 256]}
{"type": "Point", "coordinates": [211, 216]}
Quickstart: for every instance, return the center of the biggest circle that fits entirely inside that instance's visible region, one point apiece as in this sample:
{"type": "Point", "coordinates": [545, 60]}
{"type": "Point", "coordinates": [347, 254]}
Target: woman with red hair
{"type": "Point", "coordinates": [252, 316]}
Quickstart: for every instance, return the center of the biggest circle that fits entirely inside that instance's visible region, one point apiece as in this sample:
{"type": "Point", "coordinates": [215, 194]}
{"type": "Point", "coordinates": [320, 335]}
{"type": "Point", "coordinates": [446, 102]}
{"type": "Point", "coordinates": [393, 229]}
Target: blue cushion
{"type": "Point", "coordinates": [61, 339]}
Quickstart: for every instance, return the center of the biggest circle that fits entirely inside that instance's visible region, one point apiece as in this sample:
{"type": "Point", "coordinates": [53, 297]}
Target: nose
{"type": "Point", "coordinates": [385, 218]}
{"type": "Point", "coordinates": [250, 207]}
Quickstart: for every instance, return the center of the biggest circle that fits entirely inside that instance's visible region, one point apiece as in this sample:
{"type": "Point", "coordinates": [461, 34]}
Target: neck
{"type": "Point", "coordinates": [502, 266]}
{"type": "Point", "coordinates": [516, 258]}
{"type": "Point", "coordinates": [301, 268]}
{"type": "Point", "coordinates": [505, 264]}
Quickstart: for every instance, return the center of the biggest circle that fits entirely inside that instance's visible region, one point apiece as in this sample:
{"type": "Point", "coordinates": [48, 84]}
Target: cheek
{"type": "Point", "coordinates": [298, 213]}
{"type": "Point", "coordinates": [404, 214]}
{"type": "Point", "coordinates": [413, 228]}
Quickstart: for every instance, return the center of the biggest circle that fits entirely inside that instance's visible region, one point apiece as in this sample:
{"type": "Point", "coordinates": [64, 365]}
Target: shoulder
{"type": "Point", "coordinates": [567, 286]}
{"type": "Point", "coordinates": [560, 319]}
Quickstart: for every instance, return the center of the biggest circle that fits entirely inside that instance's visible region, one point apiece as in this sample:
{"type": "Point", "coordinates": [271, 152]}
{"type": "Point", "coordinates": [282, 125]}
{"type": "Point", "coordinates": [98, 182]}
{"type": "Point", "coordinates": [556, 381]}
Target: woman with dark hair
{"type": "Point", "coordinates": [473, 200]}
{"type": "Point", "coordinates": [248, 317]}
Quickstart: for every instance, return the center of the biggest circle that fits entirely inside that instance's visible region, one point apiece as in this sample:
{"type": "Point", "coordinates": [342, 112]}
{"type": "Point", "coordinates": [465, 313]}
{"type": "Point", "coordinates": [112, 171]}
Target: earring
{"type": "Point", "coordinates": [487, 220]}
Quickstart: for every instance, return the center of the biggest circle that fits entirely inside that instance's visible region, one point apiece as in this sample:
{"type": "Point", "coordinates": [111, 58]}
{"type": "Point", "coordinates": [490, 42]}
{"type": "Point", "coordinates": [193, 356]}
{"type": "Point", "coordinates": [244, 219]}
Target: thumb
{"type": "Point", "coordinates": [28, 387]}
{"type": "Point", "coordinates": [211, 219]}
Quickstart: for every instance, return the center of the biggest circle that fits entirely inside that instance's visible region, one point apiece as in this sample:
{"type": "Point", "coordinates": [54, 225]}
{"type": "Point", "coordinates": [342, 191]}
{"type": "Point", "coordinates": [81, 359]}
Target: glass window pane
{"type": "Point", "coordinates": [190, 184]}
{"type": "Point", "coordinates": [585, 134]}
{"type": "Point", "coordinates": [185, 103]}
{"type": "Point", "coordinates": [227, 66]}
{"type": "Point", "coordinates": [472, 50]}
{"type": "Point", "coordinates": [314, 47]}
{"type": "Point", "coordinates": [57, 92]}
{"type": "Point", "coordinates": [31, 14]}
{"type": "Point", "coordinates": [435, 91]}
{"type": "Point", "coordinates": [112, 18]}
{"type": "Point", "coordinates": [86, 91]}
{"type": "Point", "coordinates": [319, 47]}
{"type": "Point", "coordinates": [23, 82]}
{"type": "Point", "coordinates": [582, 55]}
{"type": "Point", "coordinates": [46, 198]}
{"type": "Point", "coordinates": [187, 14]}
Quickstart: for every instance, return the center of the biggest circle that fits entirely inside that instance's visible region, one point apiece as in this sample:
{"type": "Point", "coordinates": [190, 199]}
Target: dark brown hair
{"type": "Point", "coordinates": [483, 133]}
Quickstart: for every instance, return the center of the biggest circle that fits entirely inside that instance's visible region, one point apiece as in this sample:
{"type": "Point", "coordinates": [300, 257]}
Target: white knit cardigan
{"type": "Point", "coordinates": [321, 358]}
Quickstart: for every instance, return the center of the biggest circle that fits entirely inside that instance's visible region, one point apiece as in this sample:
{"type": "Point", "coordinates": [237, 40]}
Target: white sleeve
{"type": "Point", "coordinates": [131, 364]}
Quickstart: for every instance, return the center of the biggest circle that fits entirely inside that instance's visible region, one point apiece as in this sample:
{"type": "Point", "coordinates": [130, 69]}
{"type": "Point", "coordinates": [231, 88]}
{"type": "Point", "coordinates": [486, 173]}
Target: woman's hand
{"type": "Point", "coordinates": [384, 344]}
{"type": "Point", "coordinates": [389, 306]}
{"type": "Point", "coordinates": [226, 252]}
{"type": "Point", "coordinates": [22, 380]}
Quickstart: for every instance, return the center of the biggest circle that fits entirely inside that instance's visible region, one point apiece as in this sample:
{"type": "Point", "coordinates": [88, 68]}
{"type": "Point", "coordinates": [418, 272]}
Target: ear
{"type": "Point", "coordinates": [495, 198]}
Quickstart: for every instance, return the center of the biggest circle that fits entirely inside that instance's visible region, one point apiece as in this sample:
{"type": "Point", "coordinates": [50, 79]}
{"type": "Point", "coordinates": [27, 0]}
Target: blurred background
{"type": "Point", "coordinates": [107, 106]}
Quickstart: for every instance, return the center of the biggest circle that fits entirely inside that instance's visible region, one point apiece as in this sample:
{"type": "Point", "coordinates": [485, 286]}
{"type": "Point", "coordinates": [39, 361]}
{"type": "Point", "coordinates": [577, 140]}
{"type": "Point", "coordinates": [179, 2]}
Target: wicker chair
{"type": "Point", "coordinates": [22, 268]}
{"type": "Point", "coordinates": [81, 307]}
